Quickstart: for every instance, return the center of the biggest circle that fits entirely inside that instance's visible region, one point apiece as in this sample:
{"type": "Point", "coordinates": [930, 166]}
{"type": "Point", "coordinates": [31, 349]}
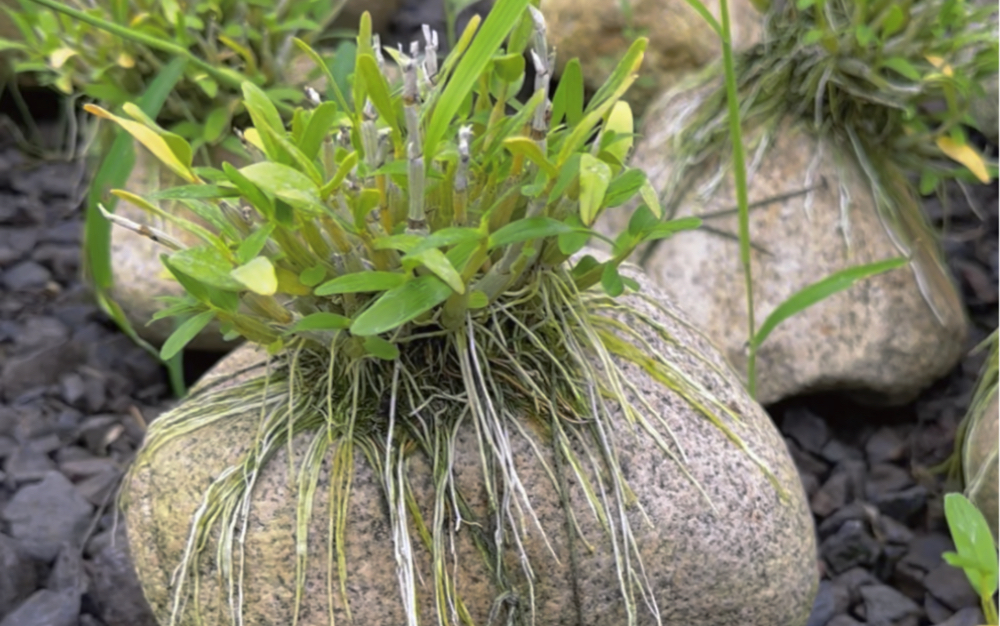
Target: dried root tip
{"type": "Point", "coordinates": [460, 199]}
{"type": "Point", "coordinates": [464, 155]}
{"type": "Point", "coordinates": [236, 217]}
{"type": "Point", "coordinates": [411, 90]}
{"type": "Point", "coordinates": [155, 234]}
{"type": "Point", "coordinates": [430, 53]}
{"type": "Point", "coordinates": [254, 152]}
{"type": "Point", "coordinates": [539, 42]}
{"type": "Point", "coordinates": [312, 96]}
{"type": "Point", "coordinates": [543, 76]}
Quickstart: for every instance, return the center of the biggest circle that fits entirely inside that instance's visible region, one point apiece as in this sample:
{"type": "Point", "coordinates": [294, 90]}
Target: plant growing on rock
{"type": "Point", "coordinates": [413, 257]}
{"type": "Point", "coordinates": [110, 52]}
{"type": "Point", "coordinates": [889, 84]}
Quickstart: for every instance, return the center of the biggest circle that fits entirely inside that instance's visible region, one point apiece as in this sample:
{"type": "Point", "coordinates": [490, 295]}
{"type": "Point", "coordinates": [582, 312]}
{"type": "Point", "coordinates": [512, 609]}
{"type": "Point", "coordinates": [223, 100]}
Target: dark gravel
{"type": "Point", "coordinates": [75, 395]}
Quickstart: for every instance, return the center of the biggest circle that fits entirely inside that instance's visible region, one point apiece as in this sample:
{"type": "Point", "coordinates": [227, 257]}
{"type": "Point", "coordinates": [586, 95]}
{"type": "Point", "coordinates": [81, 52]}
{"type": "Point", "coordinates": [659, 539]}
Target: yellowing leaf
{"type": "Point", "coordinates": [150, 139]}
{"type": "Point", "coordinates": [620, 121]}
{"type": "Point", "coordinates": [59, 57]}
{"type": "Point", "coordinates": [258, 276]}
{"type": "Point", "coordinates": [125, 60]}
{"type": "Point", "coordinates": [966, 155]}
{"type": "Point", "coordinates": [936, 61]}
{"type": "Point", "coordinates": [253, 137]}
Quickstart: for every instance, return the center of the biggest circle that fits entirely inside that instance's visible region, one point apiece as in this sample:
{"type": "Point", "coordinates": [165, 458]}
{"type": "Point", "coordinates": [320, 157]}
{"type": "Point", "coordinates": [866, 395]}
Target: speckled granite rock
{"type": "Point", "coordinates": [879, 339]}
{"type": "Point", "coordinates": [139, 276]}
{"type": "Point", "coordinates": [979, 461]}
{"type": "Point", "coordinates": [752, 563]}
{"type": "Point", "coordinates": [598, 32]}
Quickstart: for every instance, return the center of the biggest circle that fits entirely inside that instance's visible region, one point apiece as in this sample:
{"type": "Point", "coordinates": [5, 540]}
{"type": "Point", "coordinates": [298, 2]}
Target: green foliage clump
{"type": "Point", "coordinates": [111, 51]}
{"type": "Point", "coordinates": [398, 206]}
{"type": "Point", "coordinates": [888, 82]}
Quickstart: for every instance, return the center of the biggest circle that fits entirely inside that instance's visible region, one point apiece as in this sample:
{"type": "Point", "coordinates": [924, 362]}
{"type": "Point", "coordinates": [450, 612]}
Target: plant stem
{"type": "Point", "coordinates": [740, 181]}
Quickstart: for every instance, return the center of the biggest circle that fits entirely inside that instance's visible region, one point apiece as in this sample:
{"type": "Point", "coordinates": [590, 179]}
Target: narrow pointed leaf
{"type": "Point", "coordinates": [819, 291]}
{"type": "Point", "coordinates": [322, 321]}
{"type": "Point", "coordinates": [529, 149]}
{"type": "Point", "coordinates": [184, 334]}
{"type": "Point", "coordinates": [502, 18]}
{"type": "Point", "coordinates": [401, 305]}
{"type": "Point", "coordinates": [378, 347]}
{"type": "Point", "coordinates": [150, 139]}
{"type": "Point", "coordinates": [529, 228]}
{"type": "Point", "coordinates": [258, 276]}
{"type": "Point", "coordinates": [361, 282]}
{"type": "Point", "coordinates": [966, 155]}
{"type": "Point", "coordinates": [595, 176]}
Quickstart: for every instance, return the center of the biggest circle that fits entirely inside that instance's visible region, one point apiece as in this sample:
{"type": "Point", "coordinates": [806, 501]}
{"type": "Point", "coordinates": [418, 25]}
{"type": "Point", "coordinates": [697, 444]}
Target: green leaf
{"type": "Point", "coordinates": [509, 67]}
{"type": "Point", "coordinates": [864, 34]}
{"type": "Point", "coordinates": [642, 221]}
{"type": "Point", "coordinates": [366, 201]}
{"type": "Point", "coordinates": [571, 243]}
{"type": "Point", "coordinates": [973, 541]}
{"type": "Point", "coordinates": [450, 236]}
{"type": "Point", "coordinates": [812, 36]}
{"type": "Point", "coordinates": [401, 305]}
{"type": "Point", "coordinates": [317, 129]}
{"type": "Point", "coordinates": [819, 291]}
{"type": "Point", "coordinates": [258, 276]}
{"type": "Point", "coordinates": [478, 300]}
{"type": "Point", "coordinates": [893, 21]}
{"type": "Point", "coordinates": [706, 15]}
{"type": "Point", "coordinates": [529, 149]}
{"type": "Point", "coordinates": [250, 191]}
{"type": "Point", "coordinates": [502, 18]}
{"type": "Point", "coordinates": [252, 245]}
{"type": "Point", "coordinates": [331, 79]}
{"type": "Point", "coordinates": [215, 124]}
{"type": "Point", "coordinates": [435, 261]}
{"type": "Point", "coordinates": [361, 282]}
{"type": "Point", "coordinates": [265, 115]}
{"type": "Point", "coordinates": [381, 348]}
{"type": "Point", "coordinates": [595, 176]}
{"type": "Point", "coordinates": [528, 228]}
{"type": "Point", "coordinates": [662, 230]}
{"type": "Point", "coordinates": [286, 183]}
{"type": "Point", "coordinates": [207, 265]}
{"type": "Point", "coordinates": [321, 321]}
{"type": "Point", "coordinates": [611, 281]}
{"type": "Point", "coordinates": [568, 100]}
{"type": "Point", "coordinates": [620, 78]}
{"type": "Point", "coordinates": [184, 334]}
{"type": "Point", "coordinates": [624, 186]}
{"type": "Point", "coordinates": [928, 182]}
{"type": "Point", "coordinates": [902, 67]}
{"type": "Point", "coordinates": [194, 192]}
{"type": "Point", "coordinates": [313, 276]}
{"type": "Point", "coordinates": [378, 91]}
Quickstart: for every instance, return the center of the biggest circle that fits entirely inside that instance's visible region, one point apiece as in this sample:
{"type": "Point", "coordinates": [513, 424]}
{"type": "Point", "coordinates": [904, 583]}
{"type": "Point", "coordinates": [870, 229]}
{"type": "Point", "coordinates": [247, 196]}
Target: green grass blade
{"type": "Point", "coordinates": [113, 172]}
{"type": "Point", "coordinates": [820, 290]}
{"type": "Point", "coordinates": [501, 20]}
